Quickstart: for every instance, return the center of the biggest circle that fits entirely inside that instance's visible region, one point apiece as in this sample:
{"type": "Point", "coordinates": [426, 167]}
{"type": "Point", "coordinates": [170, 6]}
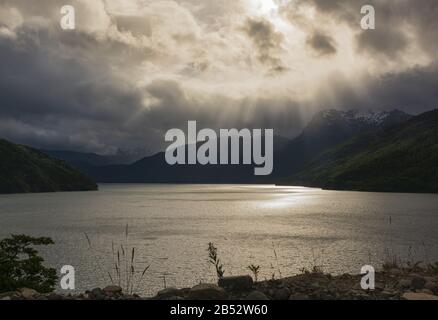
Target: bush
{"type": "Point", "coordinates": [21, 266]}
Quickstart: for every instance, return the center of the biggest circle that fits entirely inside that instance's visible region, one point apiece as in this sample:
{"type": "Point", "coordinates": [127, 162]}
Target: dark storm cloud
{"type": "Point", "coordinates": [322, 44]}
{"type": "Point", "coordinates": [399, 24]}
{"type": "Point", "coordinates": [388, 42]}
{"type": "Point", "coordinates": [121, 81]}
{"type": "Point", "coordinates": [175, 106]}
{"type": "Point", "coordinates": [61, 96]}
{"type": "Point", "coordinates": [413, 91]}
{"type": "Point", "coordinates": [55, 101]}
{"type": "Point", "coordinates": [267, 42]}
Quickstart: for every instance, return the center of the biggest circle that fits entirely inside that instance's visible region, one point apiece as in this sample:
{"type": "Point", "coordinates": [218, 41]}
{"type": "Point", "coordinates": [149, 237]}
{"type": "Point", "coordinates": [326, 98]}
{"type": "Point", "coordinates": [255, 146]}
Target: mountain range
{"type": "Point", "coordinates": [347, 150]}
{"type": "Point", "coordinates": [327, 129]}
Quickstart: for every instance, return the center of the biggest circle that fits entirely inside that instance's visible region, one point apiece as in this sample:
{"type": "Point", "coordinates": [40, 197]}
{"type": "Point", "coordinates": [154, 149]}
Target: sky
{"type": "Point", "coordinates": [133, 69]}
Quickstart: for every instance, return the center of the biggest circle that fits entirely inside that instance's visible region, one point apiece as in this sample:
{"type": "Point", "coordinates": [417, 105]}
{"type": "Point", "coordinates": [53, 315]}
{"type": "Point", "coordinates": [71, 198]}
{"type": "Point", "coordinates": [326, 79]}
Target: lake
{"type": "Point", "coordinates": [282, 229]}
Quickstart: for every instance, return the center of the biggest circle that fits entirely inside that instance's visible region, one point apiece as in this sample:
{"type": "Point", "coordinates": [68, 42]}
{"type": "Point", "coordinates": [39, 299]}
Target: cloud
{"type": "Point", "coordinates": [267, 41]}
{"type": "Point", "coordinates": [134, 69]}
{"type": "Point", "coordinates": [322, 44]}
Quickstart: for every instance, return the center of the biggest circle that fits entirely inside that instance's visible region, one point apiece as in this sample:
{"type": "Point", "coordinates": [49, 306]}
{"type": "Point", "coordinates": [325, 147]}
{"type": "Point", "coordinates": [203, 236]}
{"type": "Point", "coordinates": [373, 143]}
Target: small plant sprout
{"type": "Point", "coordinates": [215, 261]}
{"type": "Point", "coordinates": [255, 270]}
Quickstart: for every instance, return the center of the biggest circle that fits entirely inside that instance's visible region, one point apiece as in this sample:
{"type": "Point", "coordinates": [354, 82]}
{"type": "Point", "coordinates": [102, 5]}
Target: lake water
{"type": "Point", "coordinates": [282, 229]}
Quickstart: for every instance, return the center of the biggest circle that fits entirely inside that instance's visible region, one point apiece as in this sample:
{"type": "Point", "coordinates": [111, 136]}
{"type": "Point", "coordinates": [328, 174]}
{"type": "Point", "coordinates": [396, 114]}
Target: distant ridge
{"type": "Point", "coordinates": [326, 130]}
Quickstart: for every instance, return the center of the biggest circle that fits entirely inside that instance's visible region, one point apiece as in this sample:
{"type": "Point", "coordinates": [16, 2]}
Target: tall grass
{"type": "Point", "coordinates": [213, 259]}
{"type": "Point", "coordinates": [125, 273]}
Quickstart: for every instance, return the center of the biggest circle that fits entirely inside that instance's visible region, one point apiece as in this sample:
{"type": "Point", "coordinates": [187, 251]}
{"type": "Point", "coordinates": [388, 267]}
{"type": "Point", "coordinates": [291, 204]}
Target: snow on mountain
{"type": "Point", "coordinates": [369, 117]}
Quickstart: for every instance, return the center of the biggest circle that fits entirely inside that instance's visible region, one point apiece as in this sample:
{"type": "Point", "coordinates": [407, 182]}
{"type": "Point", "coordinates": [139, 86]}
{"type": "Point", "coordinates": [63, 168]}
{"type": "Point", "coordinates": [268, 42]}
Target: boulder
{"type": "Point", "coordinates": [418, 283]}
{"type": "Point", "coordinates": [206, 291]}
{"type": "Point", "coordinates": [256, 295]}
{"type": "Point", "coordinates": [432, 286]}
{"type": "Point", "coordinates": [168, 293]}
{"type": "Point", "coordinates": [112, 290]}
{"type": "Point", "coordinates": [405, 283]}
{"type": "Point", "coordinates": [427, 291]}
{"type": "Point", "coordinates": [419, 296]}
{"type": "Point", "coordinates": [55, 296]}
{"type": "Point", "coordinates": [281, 294]}
{"type": "Point", "coordinates": [236, 283]}
{"type": "Point", "coordinates": [298, 296]}
{"type": "Point", "coordinates": [7, 294]}
{"type": "Point", "coordinates": [97, 294]}
{"type": "Point", "coordinates": [27, 293]}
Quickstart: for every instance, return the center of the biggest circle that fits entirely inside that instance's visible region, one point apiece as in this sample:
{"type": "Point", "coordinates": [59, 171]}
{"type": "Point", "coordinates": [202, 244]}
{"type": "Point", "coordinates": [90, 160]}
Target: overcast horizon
{"type": "Point", "coordinates": [133, 69]}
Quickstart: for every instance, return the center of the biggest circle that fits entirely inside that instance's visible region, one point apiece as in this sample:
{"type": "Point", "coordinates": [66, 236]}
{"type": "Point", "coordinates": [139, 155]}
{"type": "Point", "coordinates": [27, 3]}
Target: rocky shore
{"type": "Point", "coordinates": [392, 284]}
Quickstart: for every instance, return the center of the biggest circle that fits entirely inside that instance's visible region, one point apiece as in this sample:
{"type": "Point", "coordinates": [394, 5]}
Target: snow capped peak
{"type": "Point", "coordinates": [367, 117]}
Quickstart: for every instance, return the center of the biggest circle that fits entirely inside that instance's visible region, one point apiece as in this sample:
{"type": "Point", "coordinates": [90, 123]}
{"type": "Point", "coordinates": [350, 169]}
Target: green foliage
{"type": "Point", "coordinates": [21, 266]}
{"type": "Point", "coordinates": [215, 261]}
{"type": "Point", "coordinates": [23, 169]}
{"type": "Point", "coordinates": [403, 158]}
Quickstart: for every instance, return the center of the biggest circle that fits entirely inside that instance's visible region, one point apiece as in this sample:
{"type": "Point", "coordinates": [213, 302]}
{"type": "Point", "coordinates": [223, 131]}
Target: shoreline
{"type": "Point", "coordinates": [396, 283]}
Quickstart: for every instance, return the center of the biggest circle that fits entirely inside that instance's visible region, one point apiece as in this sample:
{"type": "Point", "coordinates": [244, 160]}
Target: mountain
{"type": "Point", "coordinates": [400, 158]}
{"type": "Point", "coordinates": [24, 169]}
{"type": "Point", "coordinates": [327, 129]}
{"type": "Point", "coordinates": [154, 169]}
{"type": "Point", "coordinates": [80, 159]}
{"type": "Point", "coordinates": [84, 160]}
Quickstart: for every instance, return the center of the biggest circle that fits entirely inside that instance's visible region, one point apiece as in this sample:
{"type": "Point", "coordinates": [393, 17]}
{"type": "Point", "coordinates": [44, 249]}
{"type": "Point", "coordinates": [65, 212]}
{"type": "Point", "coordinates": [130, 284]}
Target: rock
{"type": "Point", "coordinates": [418, 296]}
{"type": "Point", "coordinates": [97, 293]}
{"type": "Point", "coordinates": [6, 298]}
{"type": "Point", "coordinates": [405, 283]}
{"type": "Point", "coordinates": [112, 290]}
{"type": "Point", "coordinates": [418, 283]}
{"type": "Point", "coordinates": [55, 296]}
{"type": "Point", "coordinates": [7, 294]}
{"type": "Point", "coordinates": [256, 295]}
{"type": "Point", "coordinates": [298, 296]}
{"type": "Point", "coordinates": [206, 291]}
{"type": "Point", "coordinates": [426, 291]}
{"type": "Point", "coordinates": [169, 293]}
{"type": "Point", "coordinates": [237, 283]}
{"type": "Point", "coordinates": [27, 293]}
{"type": "Point", "coordinates": [281, 294]}
{"type": "Point", "coordinates": [432, 286]}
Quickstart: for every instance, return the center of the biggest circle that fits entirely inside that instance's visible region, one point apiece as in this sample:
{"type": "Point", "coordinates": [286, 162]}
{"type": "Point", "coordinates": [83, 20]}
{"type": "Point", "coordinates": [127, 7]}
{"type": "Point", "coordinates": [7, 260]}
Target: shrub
{"type": "Point", "coordinates": [21, 266]}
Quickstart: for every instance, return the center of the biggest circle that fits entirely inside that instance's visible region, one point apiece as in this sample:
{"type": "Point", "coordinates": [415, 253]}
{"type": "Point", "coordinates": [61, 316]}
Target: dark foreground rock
{"type": "Point", "coordinates": [236, 283]}
{"type": "Point", "coordinates": [393, 284]}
